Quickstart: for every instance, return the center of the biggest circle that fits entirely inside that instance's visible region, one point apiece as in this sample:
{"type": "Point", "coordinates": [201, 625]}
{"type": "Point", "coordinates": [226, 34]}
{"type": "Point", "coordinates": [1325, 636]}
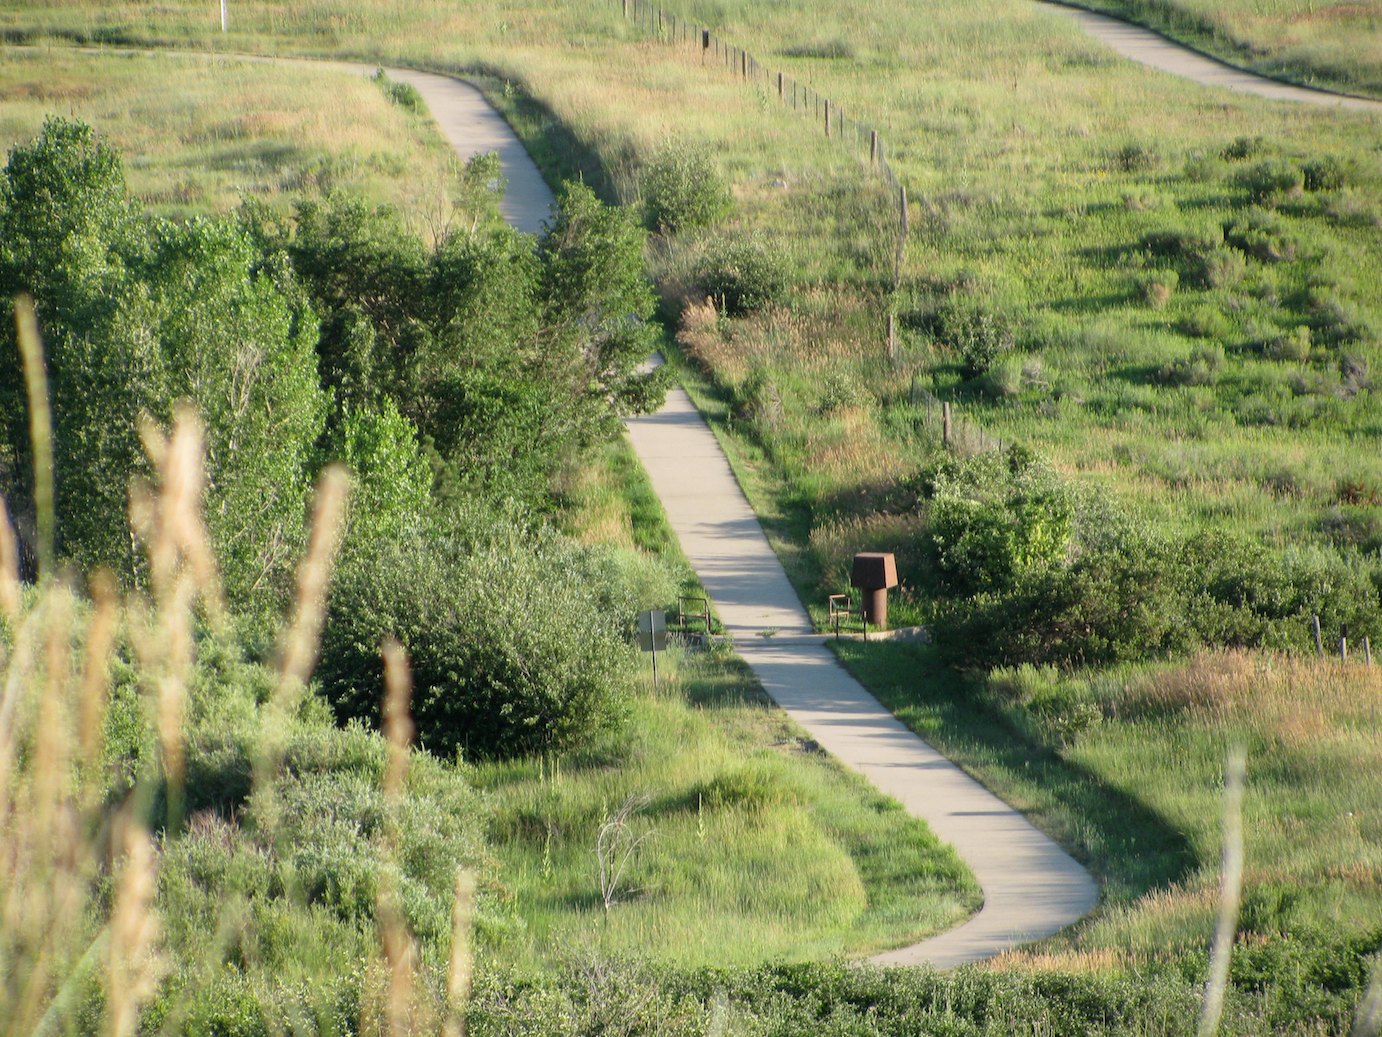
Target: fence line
{"type": "Point", "coordinates": [828, 114]}
{"type": "Point", "coordinates": [834, 122]}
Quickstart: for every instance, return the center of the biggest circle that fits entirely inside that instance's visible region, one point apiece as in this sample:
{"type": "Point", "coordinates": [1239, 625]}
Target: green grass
{"type": "Point", "coordinates": [194, 142]}
{"type": "Point", "coordinates": [733, 794]}
{"type": "Point", "coordinates": [1126, 768]}
{"type": "Point", "coordinates": [1332, 45]}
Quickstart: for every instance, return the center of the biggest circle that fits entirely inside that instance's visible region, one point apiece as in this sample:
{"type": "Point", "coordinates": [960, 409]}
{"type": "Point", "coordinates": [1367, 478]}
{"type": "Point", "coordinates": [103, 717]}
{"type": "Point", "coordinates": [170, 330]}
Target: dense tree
{"type": "Point", "coordinates": [66, 233]}
{"type": "Point", "coordinates": [137, 315]}
{"type": "Point", "coordinates": [515, 643]}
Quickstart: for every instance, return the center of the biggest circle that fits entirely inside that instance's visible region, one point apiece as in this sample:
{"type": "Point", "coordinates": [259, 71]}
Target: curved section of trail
{"type": "Point", "coordinates": [466, 120]}
{"type": "Point", "coordinates": [472, 127]}
{"type": "Point", "coordinates": [1032, 888]}
{"type": "Point", "coordinates": [1152, 48]}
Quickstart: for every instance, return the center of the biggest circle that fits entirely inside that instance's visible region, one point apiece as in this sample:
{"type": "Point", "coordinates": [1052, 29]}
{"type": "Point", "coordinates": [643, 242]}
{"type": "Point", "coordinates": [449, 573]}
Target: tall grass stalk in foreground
{"type": "Point", "coordinates": [1230, 893]}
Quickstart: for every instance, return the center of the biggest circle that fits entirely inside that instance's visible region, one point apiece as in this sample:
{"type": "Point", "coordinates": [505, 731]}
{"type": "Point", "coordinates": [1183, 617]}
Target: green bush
{"type": "Point", "coordinates": [1242, 148]}
{"type": "Point", "coordinates": [1326, 174]}
{"type": "Point", "coordinates": [990, 528]}
{"type": "Point", "coordinates": [979, 333]}
{"type": "Point", "coordinates": [682, 190]}
{"type": "Point", "coordinates": [1261, 235]}
{"type": "Point", "coordinates": [514, 636]}
{"type": "Point", "coordinates": [1270, 181]}
{"type": "Point", "coordinates": [1222, 268]}
{"type": "Point", "coordinates": [405, 95]}
{"type": "Point", "coordinates": [1205, 322]}
{"type": "Point", "coordinates": [1201, 367]}
{"type": "Point", "coordinates": [1157, 287]}
{"type": "Point", "coordinates": [742, 274]}
{"type": "Point", "coordinates": [1292, 346]}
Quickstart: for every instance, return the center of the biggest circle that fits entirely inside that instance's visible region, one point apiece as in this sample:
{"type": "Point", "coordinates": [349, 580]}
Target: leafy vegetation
{"type": "Point", "coordinates": [1189, 282]}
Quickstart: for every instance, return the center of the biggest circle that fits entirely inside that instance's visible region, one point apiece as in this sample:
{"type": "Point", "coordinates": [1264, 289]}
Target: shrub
{"type": "Point", "coordinates": [405, 95]}
{"type": "Point", "coordinates": [1293, 346]}
{"type": "Point", "coordinates": [1270, 181]}
{"type": "Point", "coordinates": [832, 49]}
{"type": "Point", "coordinates": [980, 334]}
{"type": "Point", "coordinates": [1325, 174]}
{"type": "Point", "coordinates": [1136, 158]}
{"type": "Point", "coordinates": [743, 274]}
{"type": "Point", "coordinates": [682, 190]}
{"type": "Point", "coordinates": [1260, 234]}
{"type": "Point", "coordinates": [1222, 268]}
{"type": "Point", "coordinates": [514, 637]}
{"type": "Point", "coordinates": [1201, 367]}
{"type": "Point", "coordinates": [1205, 322]}
{"type": "Point", "coordinates": [1244, 148]}
{"type": "Point", "coordinates": [1183, 244]}
{"type": "Point", "coordinates": [1157, 287]}
{"type": "Point", "coordinates": [995, 532]}
{"type": "Point", "coordinates": [1117, 603]}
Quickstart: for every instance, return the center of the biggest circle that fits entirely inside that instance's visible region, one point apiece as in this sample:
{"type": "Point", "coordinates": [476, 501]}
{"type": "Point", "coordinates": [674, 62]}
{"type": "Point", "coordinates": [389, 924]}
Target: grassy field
{"type": "Point", "coordinates": [1329, 44]}
{"type": "Point", "coordinates": [195, 142]}
{"type": "Point", "coordinates": [1084, 201]}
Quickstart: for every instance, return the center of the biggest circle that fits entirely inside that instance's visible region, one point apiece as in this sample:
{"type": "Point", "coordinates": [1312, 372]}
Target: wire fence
{"type": "Point", "coordinates": [828, 114]}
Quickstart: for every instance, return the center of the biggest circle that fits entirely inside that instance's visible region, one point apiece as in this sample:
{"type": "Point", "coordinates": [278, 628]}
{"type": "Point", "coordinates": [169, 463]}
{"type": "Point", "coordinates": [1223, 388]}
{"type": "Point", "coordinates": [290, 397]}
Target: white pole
{"type": "Point", "coordinates": [223, 15]}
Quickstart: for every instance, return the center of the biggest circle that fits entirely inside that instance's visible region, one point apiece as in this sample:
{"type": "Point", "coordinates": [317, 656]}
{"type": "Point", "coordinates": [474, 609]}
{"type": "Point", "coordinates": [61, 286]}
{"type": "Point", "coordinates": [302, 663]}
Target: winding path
{"type": "Point", "coordinates": [1032, 888]}
{"type": "Point", "coordinates": [1152, 48]}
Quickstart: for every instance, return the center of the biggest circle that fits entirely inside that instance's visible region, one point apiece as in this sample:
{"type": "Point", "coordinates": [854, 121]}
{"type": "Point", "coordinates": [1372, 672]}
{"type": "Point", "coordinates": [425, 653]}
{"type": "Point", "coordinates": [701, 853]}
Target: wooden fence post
{"type": "Point", "coordinates": [744, 63]}
{"type": "Point", "coordinates": [626, 10]}
{"type": "Point", "coordinates": [892, 338]}
{"type": "Point", "coordinates": [1343, 649]}
{"type": "Point", "coordinates": [902, 202]}
{"type": "Point", "coordinates": [779, 86]}
{"type": "Point", "coordinates": [827, 116]}
{"type": "Point", "coordinates": [1367, 651]}
{"type": "Point", "coordinates": [873, 148]}
{"type": "Point", "coordinates": [1319, 641]}
{"type": "Point", "coordinates": [945, 424]}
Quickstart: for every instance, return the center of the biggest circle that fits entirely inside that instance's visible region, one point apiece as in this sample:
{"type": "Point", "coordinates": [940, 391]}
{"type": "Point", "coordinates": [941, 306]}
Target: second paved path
{"type": "Point", "coordinates": [1032, 887]}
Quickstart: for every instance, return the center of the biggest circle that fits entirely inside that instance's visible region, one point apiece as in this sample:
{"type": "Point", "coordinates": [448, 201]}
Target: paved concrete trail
{"type": "Point", "coordinates": [1032, 888]}
{"type": "Point", "coordinates": [1151, 48]}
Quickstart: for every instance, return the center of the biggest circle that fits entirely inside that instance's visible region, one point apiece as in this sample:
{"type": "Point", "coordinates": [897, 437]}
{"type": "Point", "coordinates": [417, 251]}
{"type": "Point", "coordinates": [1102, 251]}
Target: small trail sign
{"type": "Point", "coordinates": [652, 635]}
{"type": "Point", "coordinates": [652, 631]}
